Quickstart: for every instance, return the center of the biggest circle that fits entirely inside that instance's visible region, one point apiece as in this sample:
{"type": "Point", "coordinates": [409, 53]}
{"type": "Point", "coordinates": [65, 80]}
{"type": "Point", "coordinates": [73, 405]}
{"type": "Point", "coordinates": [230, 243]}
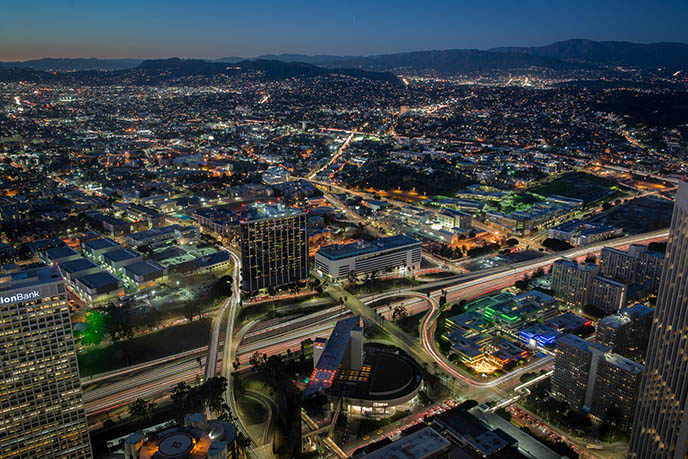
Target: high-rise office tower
{"type": "Point", "coordinates": [660, 427]}
{"type": "Point", "coordinates": [274, 246]}
{"type": "Point", "coordinates": [41, 408]}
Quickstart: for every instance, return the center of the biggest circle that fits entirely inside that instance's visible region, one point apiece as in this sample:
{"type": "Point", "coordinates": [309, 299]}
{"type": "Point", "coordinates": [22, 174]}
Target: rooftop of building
{"type": "Point", "coordinates": [607, 280]}
{"type": "Point", "coordinates": [153, 232]}
{"type": "Point", "coordinates": [568, 321]}
{"type": "Point", "coordinates": [339, 251]}
{"type": "Point", "coordinates": [542, 334]}
{"type": "Point", "coordinates": [212, 259]}
{"type": "Point", "coordinates": [582, 344]}
{"type": "Point", "coordinates": [461, 423]}
{"type": "Point", "coordinates": [262, 211]}
{"type": "Point", "coordinates": [385, 375]}
{"type": "Point", "coordinates": [454, 212]}
{"type": "Point", "coordinates": [59, 252]}
{"type": "Point", "coordinates": [614, 321]}
{"type": "Point", "coordinates": [145, 210]}
{"type": "Point", "coordinates": [537, 295]}
{"type": "Point", "coordinates": [99, 280]}
{"type": "Point", "coordinates": [332, 355]}
{"type": "Point", "coordinates": [217, 214]}
{"type": "Point", "coordinates": [29, 278]}
{"type": "Point", "coordinates": [44, 244]}
{"type": "Point", "coordinates": [583, 227]}
{"type": "Point", "coordinates": [469, 320]}
{"type": "Point", "coordinates": [469, 346]}
{"type": "Point", "coordinates": [590, 267]}
{"type": "Point", "coordinates": [100, 244]}
{"type": "Point", "coordinates": [108, 219]}
{"type": "Point", "coordinates": [198, 438]}
{"type": "Point", "coordinates": [143, 268]}
{"type": "Point", "coordinates": [418, 444]}
{"type": "Point", "coordinates": [637, 310]}
{"type": "Point", "coordinates": [115, 256]}
{"type": "Point", "coordinates": [75, 266]}
{"type": "Point", "coordinates": [625, 364]}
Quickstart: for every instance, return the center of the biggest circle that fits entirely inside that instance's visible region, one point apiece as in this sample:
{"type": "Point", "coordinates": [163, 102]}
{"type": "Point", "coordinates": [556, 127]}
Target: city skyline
{"type": "Point", "coordinates": [445, 229]}
{"type": "Point", "coordinates": [214, 30]}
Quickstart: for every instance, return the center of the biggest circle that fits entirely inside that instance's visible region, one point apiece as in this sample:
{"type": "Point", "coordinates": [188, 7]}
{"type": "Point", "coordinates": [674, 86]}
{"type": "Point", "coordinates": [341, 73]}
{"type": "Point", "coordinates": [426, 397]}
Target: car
{"type": "Point", "coordinates": [379, 432]}
{"type": "Point", "coordinates": [366, 437]}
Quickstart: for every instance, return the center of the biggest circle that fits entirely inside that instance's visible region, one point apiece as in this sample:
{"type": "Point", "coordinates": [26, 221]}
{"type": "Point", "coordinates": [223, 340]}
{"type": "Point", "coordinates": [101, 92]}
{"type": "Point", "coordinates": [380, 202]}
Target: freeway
{"type": "Point", "coordinates": [231, 302]}
{"type": "Point", "coordinates": [103, 397]}
{"type": "Point", "coordinates": [160, 378]}
{"type": "Point", "coordinates": [452, 284]}
{"type": "Point", "coordinates": [257, 449]}
{"type": "Point", "coordinates": [118, 374]}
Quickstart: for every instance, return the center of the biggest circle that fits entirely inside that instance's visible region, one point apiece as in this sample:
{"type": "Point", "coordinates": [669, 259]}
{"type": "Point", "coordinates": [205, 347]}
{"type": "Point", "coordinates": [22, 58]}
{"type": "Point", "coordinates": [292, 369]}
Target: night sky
{"type": "Point", "coordinates": [219, 28]}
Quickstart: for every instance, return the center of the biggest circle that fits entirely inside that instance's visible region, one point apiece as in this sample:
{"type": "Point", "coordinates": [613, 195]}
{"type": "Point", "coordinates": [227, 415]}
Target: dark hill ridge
{"type": "Point", "coordinates": [157, 71]}
{"type": "Point", "coordinates": [560, 55]}
{"type": "Point", "coordinates": [451, 61]}
{"type": "Point", "coordinates": [51, 64]}
{"type": "Point", "coordinates": [622, 53]}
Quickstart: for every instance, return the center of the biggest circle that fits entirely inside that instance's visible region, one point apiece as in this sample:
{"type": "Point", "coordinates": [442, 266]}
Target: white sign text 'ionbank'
{"type": "Point", "coordinates": [20, 297]}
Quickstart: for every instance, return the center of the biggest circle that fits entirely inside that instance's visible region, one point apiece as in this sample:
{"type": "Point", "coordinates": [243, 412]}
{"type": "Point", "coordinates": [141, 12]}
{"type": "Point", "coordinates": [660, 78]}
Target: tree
{"type": "Point", "coordinates": [399, 313]}
{"type": "Point", "coordinates": [191, 309]}
{"type": "Point", "coordinates": [556, 245]}
{"type": "Point", "coordinates": [512, 242]}
{"type": "Point", "coordinates": [142, 409]}
{"type": "Point", "coordinates": [503, 413]}
{"type": "Point", "coordinates": [119, 323]}
{"type": "Point", "coordinates": [352, 278]}
{"type": "Point", "coordinates": [256, 360]}
{"type": "Point", "coordinates": [179, 394]}
{"type": "Point", "coordinates": [524, 283]}
{"type": "Point", "coordinates": [152, 318]}
{"type": "Point", "coordinates": [212, 392]}
{"type": "Point", "coordinates": [222, 287]}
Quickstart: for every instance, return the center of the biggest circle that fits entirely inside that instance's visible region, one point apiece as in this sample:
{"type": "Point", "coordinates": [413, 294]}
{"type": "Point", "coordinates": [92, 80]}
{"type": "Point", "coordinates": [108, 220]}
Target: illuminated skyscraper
{"type": "Point", "coordinates": [41, 408]}
{"type": "Point", "coordinates": [274, 246]}
{"type": "Point", "coordinates": [660, 427]}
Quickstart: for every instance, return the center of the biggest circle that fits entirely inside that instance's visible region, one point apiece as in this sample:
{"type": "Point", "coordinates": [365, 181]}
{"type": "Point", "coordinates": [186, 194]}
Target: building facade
{"type": "Point", "coordinates": [607, 294]}
{"type": "Point", "coordinates": [571, 281]}
{"type": "Point", "coordinates": [575, 365]}
{"type": "Point", "coordinates": [626, 332]}
{"type": "Point", "coordinates": [588, 376]}
{"type": "Point", "coordinates": [274, 246]}
{"type": "Point", "coordinates": [381, 255]}
{"type": "Point", "coordinates": [660, 427]}
{"type": "Point", "coordinates": [40, 391]}
{"type": "Point", "coordinates": [615, 390]}
{"type": "Point", "coordinates": [450, 218]}
{"type": "Point", "coordinates": [581, 284]}
{"type": "Point", "coordinates": [637, 265]}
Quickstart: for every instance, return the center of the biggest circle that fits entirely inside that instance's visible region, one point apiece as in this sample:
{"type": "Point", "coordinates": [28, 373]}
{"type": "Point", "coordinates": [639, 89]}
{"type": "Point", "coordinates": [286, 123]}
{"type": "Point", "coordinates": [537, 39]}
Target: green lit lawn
{"type": "Point", "coordinates": [578, 185]}
{"type": "Point", "coordinates": [169, 341]}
